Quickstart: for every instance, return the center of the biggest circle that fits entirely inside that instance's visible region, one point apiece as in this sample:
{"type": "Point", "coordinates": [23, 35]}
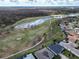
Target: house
{"type": "Point", "coordinates": [29, 56]}
{"type": "Point", "coordinates": [44, 54]}
{"type": "Point", "coordinates": [76, 30]}
{"type": "Point", "coordinates": [56, 49]}
{"type": "Point", "coordinates": [73, 37]}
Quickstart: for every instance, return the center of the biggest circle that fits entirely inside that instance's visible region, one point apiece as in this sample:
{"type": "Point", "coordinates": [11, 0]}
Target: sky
{"type": "Point", "coordinates": [39, 3]}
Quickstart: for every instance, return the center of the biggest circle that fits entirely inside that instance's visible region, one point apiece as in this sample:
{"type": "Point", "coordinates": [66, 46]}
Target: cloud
{"type": "Point", "coordinates": [39, 3]}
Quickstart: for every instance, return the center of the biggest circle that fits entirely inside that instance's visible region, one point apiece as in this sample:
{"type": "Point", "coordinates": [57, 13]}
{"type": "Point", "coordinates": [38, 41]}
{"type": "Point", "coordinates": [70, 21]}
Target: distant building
{"type": "Point", "coordinates": [76, 30]}
{"type": "Point", "coordinates": [73, 37]}
{"type": "Point", "coordinates": [44, 54]}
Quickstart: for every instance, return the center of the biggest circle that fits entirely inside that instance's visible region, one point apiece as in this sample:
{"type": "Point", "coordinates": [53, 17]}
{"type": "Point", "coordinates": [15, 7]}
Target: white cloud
{"type": "Point", "coordinates": [39, 3]}
{"type": "Point", "coordinates": [71, 0]}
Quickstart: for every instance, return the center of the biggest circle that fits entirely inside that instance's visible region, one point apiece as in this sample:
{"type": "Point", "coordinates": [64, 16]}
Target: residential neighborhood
{"type": "Point", "coordinates": [39, 29]}
{"type": "Point", "coordinates": [70, 43]}
{"type": "Point", "coordinates": [59, 46]}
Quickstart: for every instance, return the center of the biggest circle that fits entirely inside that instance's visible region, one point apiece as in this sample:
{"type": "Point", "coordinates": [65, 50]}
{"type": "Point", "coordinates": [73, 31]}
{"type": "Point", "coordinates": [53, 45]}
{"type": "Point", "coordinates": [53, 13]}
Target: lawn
{"type": "Point", "coordinates": [55, 34]}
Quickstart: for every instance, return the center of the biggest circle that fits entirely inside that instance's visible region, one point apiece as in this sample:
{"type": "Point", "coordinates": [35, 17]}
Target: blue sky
{"type": "Point", "coordinates": [40, 3]}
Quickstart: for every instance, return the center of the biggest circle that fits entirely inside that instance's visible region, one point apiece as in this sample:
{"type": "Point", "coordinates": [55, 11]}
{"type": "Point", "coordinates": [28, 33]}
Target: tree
{"type": "Point", "coordinates": [57, 57]}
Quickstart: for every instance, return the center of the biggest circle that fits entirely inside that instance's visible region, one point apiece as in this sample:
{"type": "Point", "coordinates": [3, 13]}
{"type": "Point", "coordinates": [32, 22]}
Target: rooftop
{"type": "Point", "coordinates": [57, 49]}
{"type": "Point", "coordinates": [29, 56]}
{"type": "Point", "coordinates": [44, 54]}
{"type": "Point", "coordinates": [73, 37]}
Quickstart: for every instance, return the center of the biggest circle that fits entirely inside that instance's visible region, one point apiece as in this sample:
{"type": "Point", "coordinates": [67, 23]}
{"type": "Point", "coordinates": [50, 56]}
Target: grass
{"type": "Point", "coordinates": [57, 57]}
{"type": "Point", "coordinates": [33, 32]}
{"type": "Point", "coordinates": [13, 45]}
{"type": "Point", "coordinates": [55, 34]}
{"type": "Point", "coordinates": [28, 35]}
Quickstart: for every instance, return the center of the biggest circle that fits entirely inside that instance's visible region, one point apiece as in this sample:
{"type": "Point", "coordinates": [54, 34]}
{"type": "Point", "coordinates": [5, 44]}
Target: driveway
{"type": "Point", "coordinates": [63, 56]}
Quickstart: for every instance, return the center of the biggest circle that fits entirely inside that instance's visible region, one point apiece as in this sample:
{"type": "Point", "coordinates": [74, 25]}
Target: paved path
{"type": "Point", "coordinates": [63, 56]}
